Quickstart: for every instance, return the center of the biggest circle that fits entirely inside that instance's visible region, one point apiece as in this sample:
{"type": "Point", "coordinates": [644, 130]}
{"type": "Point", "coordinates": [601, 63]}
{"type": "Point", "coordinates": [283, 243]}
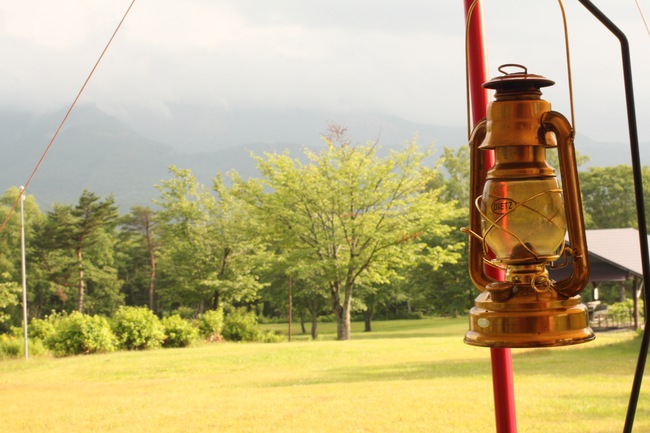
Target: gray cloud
{"type": "Point", "coordinates": [400, 57]}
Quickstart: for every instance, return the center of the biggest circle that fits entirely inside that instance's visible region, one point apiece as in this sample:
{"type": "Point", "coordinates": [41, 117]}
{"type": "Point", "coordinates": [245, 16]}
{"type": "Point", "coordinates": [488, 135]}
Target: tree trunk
{"type": "Point", "coordinates": [314, 326]}
{"type": "Point", "coordinates": [342, 324]}
{"type": "Point", "coordinates": [346, 332]}
{"type": "Point", "coordinates": [152, 276]}
{"type": "Point", "coordinates": [341, 310]}
{"type": "Point", "coordinates": [367, 319]}
{"type": "Point", "coordinates": [621, 293]}
{"type": "Point", "coordinates": [216, 300]}
{"type": "Point", "coordinates": [313, 310]}
{"type": "Point", "coordinates": [80, 300]}
{"type": "Point", "coordinates": [152, 256]}
{"type": "Point", "coordinates": [302, 321]}
{"type": "Point", "coordinates": [369, 312]}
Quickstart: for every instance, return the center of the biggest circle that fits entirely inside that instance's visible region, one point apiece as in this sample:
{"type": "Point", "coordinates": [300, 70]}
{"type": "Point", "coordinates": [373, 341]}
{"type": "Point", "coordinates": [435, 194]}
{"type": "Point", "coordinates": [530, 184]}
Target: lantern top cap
{"type": "Point", "coordinates": [517, 81]}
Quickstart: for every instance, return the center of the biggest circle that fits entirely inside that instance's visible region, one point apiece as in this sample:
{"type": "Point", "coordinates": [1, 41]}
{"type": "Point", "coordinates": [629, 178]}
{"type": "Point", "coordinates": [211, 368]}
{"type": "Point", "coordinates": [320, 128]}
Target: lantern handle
{"type": "Point", "coordinates": [512, 65]}
{"type": "Point", "coordinates": [477, 182]}
{"type": "Point", "coordinates": [556, 123]}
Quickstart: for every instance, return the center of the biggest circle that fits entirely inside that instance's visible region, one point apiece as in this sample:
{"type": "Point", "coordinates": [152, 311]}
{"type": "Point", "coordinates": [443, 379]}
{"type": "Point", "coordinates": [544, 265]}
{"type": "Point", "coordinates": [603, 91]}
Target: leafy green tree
{"type": "Point", "coordinates": [139, 246]}
{"type": "Point", "coordinates": [9, 292]}
{"type": "Point", "coordinates": [309, 296]}
{"type": "Point", "coordinates": [552, 159]}
{"type": "Point", "coordinates": [209, 253]}
{"type": "Point", "coordinates": [608, 196]}
{"type": "Point", "coordinates": [453, 170]}
{"type": "Point", "coordinates": [357, 216]}
{"type": "Point", "coordinates": [75, 249]}
{"type": "Point", "coordinates": [445, 287]}
{"type": "Point", "coordinates": [41, 254]}
{"type": "Point", "coordinates": [376, 296]}
{"type": "Point", "coordinates": [55, 261]}
{"type": "Point", "coordinates": [92, 224]}
{"type": "Point", "coordinates": [10, 245]}
{"type": "Point", "coordinates": [10, 260]}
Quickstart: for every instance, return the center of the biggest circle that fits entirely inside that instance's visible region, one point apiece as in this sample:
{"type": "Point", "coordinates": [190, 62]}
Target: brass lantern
{"type": "Point", "coordinates": [519, 218]}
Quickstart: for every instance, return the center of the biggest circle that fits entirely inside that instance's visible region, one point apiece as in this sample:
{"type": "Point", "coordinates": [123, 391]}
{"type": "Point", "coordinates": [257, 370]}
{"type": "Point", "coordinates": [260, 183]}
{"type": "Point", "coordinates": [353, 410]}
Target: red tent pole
{"type": "Point", "coordinates": [502, 377]}
{"type": "Point", "coordinates": [504, 391]}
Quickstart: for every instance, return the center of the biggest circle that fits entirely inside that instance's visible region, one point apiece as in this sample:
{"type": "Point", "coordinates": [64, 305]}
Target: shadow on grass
{"type": "Point", "coordinates": [610, 359]}
{"type": "Point", "coordinates": [402, 335]}
{"type": "Point", "coordinates": [391, 329]}
{"type": "Point", "coordinates": [359, 335]}
{"type": "Point", "coordinates": [396, 372]}
{"type": "Point", "coordinates": [613, 359]}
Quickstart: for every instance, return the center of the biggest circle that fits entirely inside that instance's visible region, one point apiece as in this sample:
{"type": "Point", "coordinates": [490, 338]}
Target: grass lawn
{"type": "Point", "coordinates": [406, 376]}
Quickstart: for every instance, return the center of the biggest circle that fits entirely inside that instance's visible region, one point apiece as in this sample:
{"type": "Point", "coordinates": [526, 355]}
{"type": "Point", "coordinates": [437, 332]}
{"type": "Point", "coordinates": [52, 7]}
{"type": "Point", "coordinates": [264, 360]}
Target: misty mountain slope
{"type": "Point", "coordinates": [193, 128]}
{"type": "Point", "coordinates": [92, 151]}
{"type": "Point", "coordinates": [109, 156]}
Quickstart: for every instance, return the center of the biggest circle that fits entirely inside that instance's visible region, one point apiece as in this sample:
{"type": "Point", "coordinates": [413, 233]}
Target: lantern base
{"type": "Point", "coordinates": [532, 320]}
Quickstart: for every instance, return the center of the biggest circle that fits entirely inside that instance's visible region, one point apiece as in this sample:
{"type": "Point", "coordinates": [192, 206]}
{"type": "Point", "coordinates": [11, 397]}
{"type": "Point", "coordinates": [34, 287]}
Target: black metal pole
{"type": "Point", "coordinates": [640, 206]}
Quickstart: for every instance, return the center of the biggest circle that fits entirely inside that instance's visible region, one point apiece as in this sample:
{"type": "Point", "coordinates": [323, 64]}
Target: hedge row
{"type": "Point", "coordinates": [137, 328]}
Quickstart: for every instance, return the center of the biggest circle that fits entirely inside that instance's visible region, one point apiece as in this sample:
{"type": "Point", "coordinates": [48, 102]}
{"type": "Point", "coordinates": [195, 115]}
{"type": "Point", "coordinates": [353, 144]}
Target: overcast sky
{"type": "Point", "coordinates": [401, 57]}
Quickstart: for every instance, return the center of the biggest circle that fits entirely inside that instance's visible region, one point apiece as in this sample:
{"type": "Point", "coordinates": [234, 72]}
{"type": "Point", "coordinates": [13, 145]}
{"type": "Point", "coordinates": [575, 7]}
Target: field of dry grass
{"type": "Point", "coordinates": [406, 376]}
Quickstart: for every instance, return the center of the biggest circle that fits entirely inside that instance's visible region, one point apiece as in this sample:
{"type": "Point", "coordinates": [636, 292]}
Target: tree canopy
{"type": "Point", "coordinates": [357, 217]}
{"type": "Point", "coordinates": [609, 196]}
{"type": "Point", "coordinates": [358, 230]}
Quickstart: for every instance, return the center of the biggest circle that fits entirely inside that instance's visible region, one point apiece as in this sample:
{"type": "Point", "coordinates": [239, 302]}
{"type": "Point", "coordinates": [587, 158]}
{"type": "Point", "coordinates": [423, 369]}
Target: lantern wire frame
{"type": "Point", "coordinates": [494, 224]}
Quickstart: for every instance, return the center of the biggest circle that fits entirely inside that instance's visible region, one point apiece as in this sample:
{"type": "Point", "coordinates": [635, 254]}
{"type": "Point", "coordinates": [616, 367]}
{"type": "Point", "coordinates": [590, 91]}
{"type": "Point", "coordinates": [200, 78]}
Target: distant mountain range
{"type": "Point", "coordinates": [128, 157]}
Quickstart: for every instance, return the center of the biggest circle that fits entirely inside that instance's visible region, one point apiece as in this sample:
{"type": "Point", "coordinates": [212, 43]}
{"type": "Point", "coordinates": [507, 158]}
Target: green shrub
{"type": "Point", "coordinates": [14, 347]}
{"type": "Point", "coordinates": [79, 333]}
{"type": "Point", "coordinates": [10, 347]}
{"type": "Point", "coordinates": [178, 332]}
{"type": "Point", "coordinates": [327, 318]}
{"type": "Point", "coordinates": [9, 292]}
{"type": "Point", "coordinates": [271, 337]}
{"type": "Point", "coordinates": [622, 313]}
{"type": "Point", "coordinates": [42, 328]}
{"type": "Point", "coordinates": [240, 325]}
{"type": "Point", "coordinates": [211, 324]}
{"type": "Point", "coordinates": [261, 319]}
{"type": "Point", "coordinates": [137, 328]}
{"type": "Point", "coordinates": [186, 313]}
{"type": "Point", "coordinates": [416, 315]}
{"type": "Point", "coordinates": [36, 348]}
